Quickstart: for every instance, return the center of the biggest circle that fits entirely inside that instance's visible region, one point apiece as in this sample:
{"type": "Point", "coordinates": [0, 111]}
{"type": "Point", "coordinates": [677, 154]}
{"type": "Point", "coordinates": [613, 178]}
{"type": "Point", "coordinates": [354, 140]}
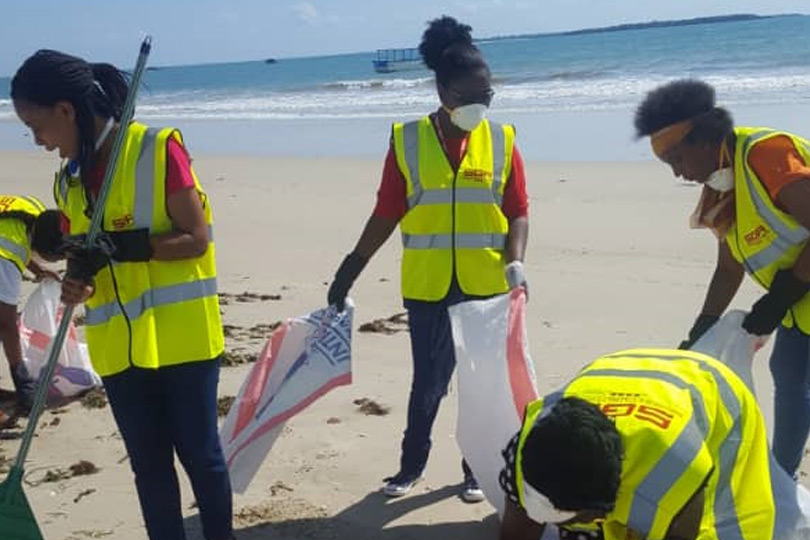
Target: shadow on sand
{"type": "Point", "coordinates": [279, 519]}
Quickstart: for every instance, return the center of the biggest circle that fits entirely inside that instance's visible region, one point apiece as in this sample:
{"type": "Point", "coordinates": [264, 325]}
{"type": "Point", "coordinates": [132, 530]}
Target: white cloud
{"type": "Point", "coordinates": [307, 13]}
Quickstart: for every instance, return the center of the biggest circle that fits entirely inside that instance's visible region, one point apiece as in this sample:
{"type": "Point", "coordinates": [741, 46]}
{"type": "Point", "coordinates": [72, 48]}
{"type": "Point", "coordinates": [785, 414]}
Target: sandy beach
{"type": "Point", "coordinates": [611, 264]}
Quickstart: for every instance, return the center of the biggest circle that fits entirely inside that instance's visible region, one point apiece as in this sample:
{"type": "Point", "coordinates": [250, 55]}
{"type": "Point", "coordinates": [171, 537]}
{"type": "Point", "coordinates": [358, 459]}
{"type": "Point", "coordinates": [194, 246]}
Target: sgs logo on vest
{"type": "Point", "coordinates": [759, 235]}
{"type": "Point", "coordinates": [6, 202]}
{"type": "Point", "coordinates": [477, 175]}
{"type": "Point", "coordinates": [646, 413]}
{"type": "Point", "coordinates": [123, 222]}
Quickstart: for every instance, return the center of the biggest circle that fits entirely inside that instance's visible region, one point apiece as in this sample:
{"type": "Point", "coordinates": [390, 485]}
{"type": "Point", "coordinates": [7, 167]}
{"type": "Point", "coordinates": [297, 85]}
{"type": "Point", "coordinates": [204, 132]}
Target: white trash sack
{"type": "Point", "coordinates": [495, 383]}
{"type": "Point", "coordinates": [38, 324]}
{"type": "Point", "coordinates": [730, 343]}
{"type": "Point", "coordinates": [304, 358]}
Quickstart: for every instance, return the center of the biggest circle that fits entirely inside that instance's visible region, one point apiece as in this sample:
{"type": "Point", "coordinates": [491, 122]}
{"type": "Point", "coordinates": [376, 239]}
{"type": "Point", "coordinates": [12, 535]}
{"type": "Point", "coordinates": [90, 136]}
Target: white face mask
{"type": "Point", "coordinates": [467, 117]}
{"type": "Point", "coordinates": [721, 180]}
{"type": "Point", "coordinates": [540, 509]}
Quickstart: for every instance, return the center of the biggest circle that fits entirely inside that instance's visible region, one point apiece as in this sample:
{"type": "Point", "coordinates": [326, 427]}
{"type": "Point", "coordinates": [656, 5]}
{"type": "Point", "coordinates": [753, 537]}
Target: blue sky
{"type": "Point", "coordinates": [200, 31]}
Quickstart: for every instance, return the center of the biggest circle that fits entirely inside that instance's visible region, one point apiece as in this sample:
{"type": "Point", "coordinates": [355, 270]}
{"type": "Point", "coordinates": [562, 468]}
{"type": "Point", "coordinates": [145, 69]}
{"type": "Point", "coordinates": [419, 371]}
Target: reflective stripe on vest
{"type": "Point", "coordinates": [143, 215]}
{"type": "Point", "coordinates": [152, 298]}
{"type": "Point", "coordinates": [462, 241]}
{"type": "Point", "coordinates": [786, 237]}
{"type": "Point", "coordinates": [15, 249]}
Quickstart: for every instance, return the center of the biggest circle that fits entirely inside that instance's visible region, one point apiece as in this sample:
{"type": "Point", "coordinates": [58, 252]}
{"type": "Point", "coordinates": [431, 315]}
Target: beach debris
{"type": "Point", "coordinates": [247, 297]}
{"type": "Point", "coordinates": [278, 487]}
{"type": "Point", "coordinates": [224, 405]}
{"type": "Point", "coordinates": [231, 330]}
{"type": "Point", "coordinates": [391, 325]}
{"type": "Point", "coordinates": [333, 420]}
{"type": "Point", "coordinates": [83, 494]}
{"type": "Point", "coordinates": [81, 468]}
{"type": "Point", "coordinates": [289, 516]}
{"type": "Point", "coordinates": [369, 407]}
{"type": "Point", "coordinates": [96, 398]}
{"type": "Point", "coordinates": [55, 475]}
{"type": "Point", "coordinates": [259, 331]}
{"type": "Point", "coordinates": [262, 331]}
{"type": "Point", "coordinates": [91, 533]}
{"type": "Point", "coordinates": [231, 358]}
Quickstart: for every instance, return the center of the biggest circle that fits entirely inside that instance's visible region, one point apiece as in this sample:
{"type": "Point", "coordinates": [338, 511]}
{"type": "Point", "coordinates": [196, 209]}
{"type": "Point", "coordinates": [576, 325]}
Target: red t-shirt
{"type": "Point", "coordinates": [392, 193]}
{"type": "Point", "coordinates": [178, 174]}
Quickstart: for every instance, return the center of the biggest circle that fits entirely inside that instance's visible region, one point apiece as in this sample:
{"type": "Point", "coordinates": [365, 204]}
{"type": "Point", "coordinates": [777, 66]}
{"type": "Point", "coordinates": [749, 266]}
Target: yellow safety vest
{"type": "Point", "coordinates": [454, 220]}
{"type": "Point", "coordinates": [686, 421]}
{"type": "Point", "coordinates": [764, 238]}
{"type": "Point", "coordinates": [172, 306]}
{"type": "Point", "coordinates": [15, 242]}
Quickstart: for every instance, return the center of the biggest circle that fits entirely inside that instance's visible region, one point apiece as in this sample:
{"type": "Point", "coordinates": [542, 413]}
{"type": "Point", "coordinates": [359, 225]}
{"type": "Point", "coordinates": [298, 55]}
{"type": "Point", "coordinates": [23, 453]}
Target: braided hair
{"type": "Point", "coordinates": [574, 457]}
{"type": "Point", "coordinates": [94, 90]}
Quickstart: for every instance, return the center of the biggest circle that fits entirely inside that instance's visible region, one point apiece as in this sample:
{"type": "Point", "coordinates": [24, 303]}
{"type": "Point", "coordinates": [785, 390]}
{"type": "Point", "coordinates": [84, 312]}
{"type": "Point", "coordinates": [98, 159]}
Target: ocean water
{"type": "Point", "coordinates": [570, 96]}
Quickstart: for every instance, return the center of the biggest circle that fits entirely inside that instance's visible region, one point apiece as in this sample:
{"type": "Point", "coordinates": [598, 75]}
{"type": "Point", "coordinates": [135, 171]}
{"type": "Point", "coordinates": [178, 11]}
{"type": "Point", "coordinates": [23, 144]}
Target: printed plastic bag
{"type": "Point", "coordinates": [305, 358]}
{"type": "Point", "coordinates": [38, 324]}
{"type": "Point", "coordinates": [496, 381]}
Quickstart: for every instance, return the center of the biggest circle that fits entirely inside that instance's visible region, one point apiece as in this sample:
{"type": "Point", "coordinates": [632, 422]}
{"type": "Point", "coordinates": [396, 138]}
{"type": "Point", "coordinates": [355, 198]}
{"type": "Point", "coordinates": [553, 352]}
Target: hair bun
{"type": "Point", "coordinates": [441, 34]}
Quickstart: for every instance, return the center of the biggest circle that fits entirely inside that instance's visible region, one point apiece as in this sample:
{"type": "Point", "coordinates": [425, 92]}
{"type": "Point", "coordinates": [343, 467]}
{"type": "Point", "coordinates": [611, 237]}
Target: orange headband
{"type": "Point", "coordinates": [664, 139]}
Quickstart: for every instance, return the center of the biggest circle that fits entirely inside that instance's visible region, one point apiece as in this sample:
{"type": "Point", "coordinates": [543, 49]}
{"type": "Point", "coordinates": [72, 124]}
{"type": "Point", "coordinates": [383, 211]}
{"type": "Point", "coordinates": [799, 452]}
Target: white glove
{"type": "Point", "coordinates": [516, 277]}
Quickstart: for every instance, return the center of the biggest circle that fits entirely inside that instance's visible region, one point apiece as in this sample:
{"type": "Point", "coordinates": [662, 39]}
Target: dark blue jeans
{"type": "Point", "coordinates": [434, 360]}
{"type": "Point", "coordinates": [790, 367]}
{"type": "Point", "coordinates": [160, 412]}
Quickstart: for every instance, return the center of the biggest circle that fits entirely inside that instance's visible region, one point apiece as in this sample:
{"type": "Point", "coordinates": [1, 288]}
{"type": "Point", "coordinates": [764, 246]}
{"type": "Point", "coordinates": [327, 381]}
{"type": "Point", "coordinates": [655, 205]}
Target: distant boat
{"type": "Point", "coordinates": [390, 60]}
{"type": "Point", "coordinates": [271, 61]}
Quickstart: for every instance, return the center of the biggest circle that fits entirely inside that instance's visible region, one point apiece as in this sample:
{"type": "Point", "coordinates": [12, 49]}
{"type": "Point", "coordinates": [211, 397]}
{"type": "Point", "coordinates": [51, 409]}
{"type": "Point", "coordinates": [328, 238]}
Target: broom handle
{"type": "Point", "coordinates": [95, 227]}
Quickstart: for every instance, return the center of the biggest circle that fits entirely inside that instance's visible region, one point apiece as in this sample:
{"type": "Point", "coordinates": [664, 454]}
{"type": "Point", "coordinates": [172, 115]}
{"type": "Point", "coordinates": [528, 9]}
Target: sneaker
{"type": "Point", "coordinates": [472, 492]}
{"type": "Point", "coordinates": [399, 485]}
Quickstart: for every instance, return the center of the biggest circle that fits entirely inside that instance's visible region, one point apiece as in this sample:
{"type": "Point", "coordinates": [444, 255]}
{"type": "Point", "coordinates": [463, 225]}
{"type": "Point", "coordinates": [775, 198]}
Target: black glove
{"type": "Point", "coordinates": [131, 246]}
{"type": "Point", "coordinates": [348, 271]}
{"type": "Point", "coordinates": [766, 314]}
{"type": "Point", "coordinates": [84, 263]}
{"type": "Point", "coordinates": [700, 327]}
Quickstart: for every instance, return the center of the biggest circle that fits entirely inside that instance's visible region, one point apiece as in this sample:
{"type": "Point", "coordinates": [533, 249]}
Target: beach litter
{"type": "Point", "coordinates": [390, 325]}
{"type": "Point", "coordinates": [369, 407]}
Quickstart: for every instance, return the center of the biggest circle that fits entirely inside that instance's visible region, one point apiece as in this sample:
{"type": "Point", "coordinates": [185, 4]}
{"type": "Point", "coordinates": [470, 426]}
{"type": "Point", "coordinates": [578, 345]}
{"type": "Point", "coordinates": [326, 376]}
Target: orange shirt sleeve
{"type": "Point", "coordinates": [777, 163]}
